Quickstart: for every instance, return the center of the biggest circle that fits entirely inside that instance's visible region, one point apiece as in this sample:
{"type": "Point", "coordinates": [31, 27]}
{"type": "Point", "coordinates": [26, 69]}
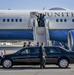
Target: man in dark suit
{"type": "Point", "coordinates": [25, 44]}
{"type": "Point", "coordinates": [29, 44]}
{"type": "Point", "coordinates": [37, 44]}
{"type": "Point", "coordinates": [42, 55]}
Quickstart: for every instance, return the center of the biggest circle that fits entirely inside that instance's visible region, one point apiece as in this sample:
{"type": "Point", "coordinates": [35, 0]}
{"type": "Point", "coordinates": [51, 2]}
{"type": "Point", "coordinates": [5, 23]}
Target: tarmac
{"type": "Point", "coordinates": [35, 70]}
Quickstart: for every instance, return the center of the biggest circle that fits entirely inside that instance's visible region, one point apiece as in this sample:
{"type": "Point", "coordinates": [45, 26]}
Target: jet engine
{"type": "Point", "coordinates": [71, 40]}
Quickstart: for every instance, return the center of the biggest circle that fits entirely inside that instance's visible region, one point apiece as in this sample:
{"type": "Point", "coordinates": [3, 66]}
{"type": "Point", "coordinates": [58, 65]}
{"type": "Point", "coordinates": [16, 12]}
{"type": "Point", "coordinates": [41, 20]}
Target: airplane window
{"type": "Point", "coordinates": [20, 20]}
{"type": "Point", "coordinates": [61, 20]}
{"type": "Point", "coordinates": [72, 20]}
{"type": "Point", "coordinates": [16, 20]}
{"type": "Point", "coordinates": [65, 20]}
{"type": "Point", "coordinates": [12, 20]}
{"type": "Point", "coordinates": [7, 20]}
{"type": "Point", "coordinates": [57, 20]}
{"type": "Point", "coordinates": [3, 20]}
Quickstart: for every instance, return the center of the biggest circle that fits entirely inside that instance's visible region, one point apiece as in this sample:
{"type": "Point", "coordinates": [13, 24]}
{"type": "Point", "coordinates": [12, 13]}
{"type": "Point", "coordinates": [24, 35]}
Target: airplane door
{"type": "Point", "coordinates": [33, 14]}
{"type": "Point", "coordinates": [33, 19]}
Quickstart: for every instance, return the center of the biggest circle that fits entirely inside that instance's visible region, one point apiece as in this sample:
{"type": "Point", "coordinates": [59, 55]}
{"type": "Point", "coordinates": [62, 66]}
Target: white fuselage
{"type": "Point", "coordinates": [24, 15]}
{"type": "Point", "coordinates": [15, 24]}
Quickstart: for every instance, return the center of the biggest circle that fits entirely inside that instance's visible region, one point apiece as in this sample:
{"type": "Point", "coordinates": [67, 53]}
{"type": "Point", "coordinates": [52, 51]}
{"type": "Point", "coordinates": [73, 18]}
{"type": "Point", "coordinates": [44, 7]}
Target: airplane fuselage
{"type": "Point", "coordinates": [15, 24]}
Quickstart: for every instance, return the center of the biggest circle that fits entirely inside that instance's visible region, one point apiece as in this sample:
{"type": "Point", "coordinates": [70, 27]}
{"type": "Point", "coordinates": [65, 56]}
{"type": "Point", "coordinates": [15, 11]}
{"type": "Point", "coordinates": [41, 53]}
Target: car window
{"type": "Point", "coordinates": [30, 51]}
{"type": "Point", "coordinates": [54, 50]}
{"type": "Point", "coordinates": [47, 49]}
{"type": "Point", "coordinates": [34, 51]}
{"type": "Point", "coordinates": [25, 51]}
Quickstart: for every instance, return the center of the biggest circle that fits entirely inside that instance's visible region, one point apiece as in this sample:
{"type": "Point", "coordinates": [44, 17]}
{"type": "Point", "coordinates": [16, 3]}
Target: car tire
{"type": "Point", "coordinates": [7, 63]}
{"type": "Point", "coordinates": [63, 63]}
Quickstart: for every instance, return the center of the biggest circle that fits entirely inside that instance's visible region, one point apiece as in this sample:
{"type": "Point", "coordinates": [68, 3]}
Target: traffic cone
{"type": "Point", "coordinates": [4, 52]}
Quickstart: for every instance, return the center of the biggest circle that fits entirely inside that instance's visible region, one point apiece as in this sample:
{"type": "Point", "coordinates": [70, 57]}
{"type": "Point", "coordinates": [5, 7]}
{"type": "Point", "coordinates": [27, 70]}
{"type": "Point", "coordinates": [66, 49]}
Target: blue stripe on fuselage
{"type": "Point", "coordinates": [57, 35]}
{"type": "Point", "coordinates": [16, 34]}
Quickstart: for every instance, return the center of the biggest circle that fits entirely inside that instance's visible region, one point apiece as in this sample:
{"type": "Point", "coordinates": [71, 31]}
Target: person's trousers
{"type": "Point", "coordinates": [42, 62]}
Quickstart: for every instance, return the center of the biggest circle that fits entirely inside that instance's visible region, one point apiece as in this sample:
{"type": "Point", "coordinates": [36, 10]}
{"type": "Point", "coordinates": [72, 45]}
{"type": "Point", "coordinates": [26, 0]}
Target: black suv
{"type": "Point", "coordinates": [30, 56]}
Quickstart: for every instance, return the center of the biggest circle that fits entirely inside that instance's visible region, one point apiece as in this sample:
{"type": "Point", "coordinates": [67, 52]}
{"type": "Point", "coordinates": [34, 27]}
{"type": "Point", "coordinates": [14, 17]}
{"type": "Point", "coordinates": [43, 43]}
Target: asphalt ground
{"type": "Point", "coordinates": [35, 70]}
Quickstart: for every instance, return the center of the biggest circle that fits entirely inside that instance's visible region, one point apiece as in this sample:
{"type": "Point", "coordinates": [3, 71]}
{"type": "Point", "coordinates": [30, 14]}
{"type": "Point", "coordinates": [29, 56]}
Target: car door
{"type": "Point", "coordinates": [52, 55]}
{"type": "Point", "coordinates": [34, 55]}
{"type": "Point", "coordinates": [22, 56]}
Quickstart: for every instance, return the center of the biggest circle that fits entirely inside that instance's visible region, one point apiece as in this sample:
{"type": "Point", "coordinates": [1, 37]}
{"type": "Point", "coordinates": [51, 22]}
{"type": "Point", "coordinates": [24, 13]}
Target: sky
{"type": "Point", "coordinates": [35, 4]}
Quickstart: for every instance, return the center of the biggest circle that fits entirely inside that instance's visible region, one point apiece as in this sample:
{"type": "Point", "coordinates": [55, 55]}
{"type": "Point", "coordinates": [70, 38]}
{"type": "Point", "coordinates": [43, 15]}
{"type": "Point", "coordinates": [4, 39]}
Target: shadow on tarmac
{"type": "Point", "coordinates": [30, 68]}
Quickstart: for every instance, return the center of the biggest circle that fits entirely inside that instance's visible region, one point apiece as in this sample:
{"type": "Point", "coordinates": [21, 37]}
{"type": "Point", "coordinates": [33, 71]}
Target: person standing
{"type": "Point", "coordinates": [29, 44]}
{"type": "Point", "coordinates": [38, 19]}
{"type": "Point", "coordinates": [42, 55]}
{"type": "Point", "coordinates": [1, 53]}
{"type": "Point", "coordinates": [37, 44]}
{"type": "Point", "coordinates": [43, 20]}
{"type": "Point", "coordinates": [25, 44]}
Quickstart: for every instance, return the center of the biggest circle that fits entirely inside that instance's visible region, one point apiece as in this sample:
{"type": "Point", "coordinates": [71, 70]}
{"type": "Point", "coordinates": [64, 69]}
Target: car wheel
{"type": "Point", "coordinates": [63, 63]}
{"type": "Point", "coordinates": [7, 63]}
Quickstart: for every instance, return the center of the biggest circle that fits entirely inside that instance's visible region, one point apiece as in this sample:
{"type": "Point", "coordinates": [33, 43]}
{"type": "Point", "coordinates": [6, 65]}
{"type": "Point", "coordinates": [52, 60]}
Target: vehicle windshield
{"type": "Point", "coordinates": [65, 49]}
{"type": "Point", "coordinates": [18, 50]}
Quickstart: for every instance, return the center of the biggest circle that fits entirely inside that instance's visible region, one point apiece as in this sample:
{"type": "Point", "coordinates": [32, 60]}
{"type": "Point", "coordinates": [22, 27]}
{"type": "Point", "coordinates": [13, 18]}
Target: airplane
{"type": "Point", "coordinates": [17, 25]}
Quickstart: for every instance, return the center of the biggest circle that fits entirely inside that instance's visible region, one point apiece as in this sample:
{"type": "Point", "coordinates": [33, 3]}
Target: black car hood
{"type": "Point", "coordinates": [8, 55]}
